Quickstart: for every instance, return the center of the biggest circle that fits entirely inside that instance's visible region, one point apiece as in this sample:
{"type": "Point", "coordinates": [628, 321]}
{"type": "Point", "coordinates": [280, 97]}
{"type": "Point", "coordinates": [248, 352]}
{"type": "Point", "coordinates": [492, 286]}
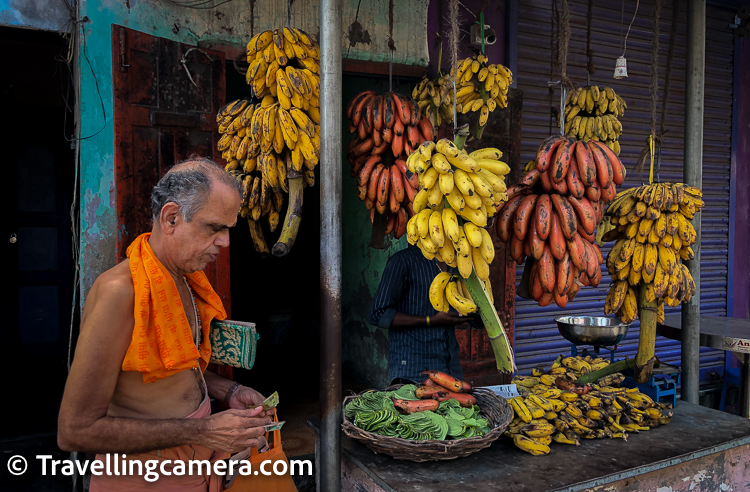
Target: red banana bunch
{"type": "Point", "coordinates": [553, 213]}
{"type": "Point", "coordinates": [382, 122]}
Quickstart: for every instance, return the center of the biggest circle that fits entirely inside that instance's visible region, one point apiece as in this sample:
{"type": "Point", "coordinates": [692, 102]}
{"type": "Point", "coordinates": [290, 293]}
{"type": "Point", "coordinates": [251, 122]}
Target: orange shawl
{"type": "Point", "coordinates": [162, 343]}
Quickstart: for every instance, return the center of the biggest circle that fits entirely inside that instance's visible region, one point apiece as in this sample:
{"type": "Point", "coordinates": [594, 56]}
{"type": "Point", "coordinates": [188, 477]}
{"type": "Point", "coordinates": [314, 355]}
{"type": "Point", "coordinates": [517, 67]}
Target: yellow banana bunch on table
{"type": "Point", "coordinates": [459, 193]}
{"type": "Point", "coordinates": [592, 112]}
{"type": "Point", "coordinates": [271, 143]}
{"type": "Point", "coordinates": [545, 413]}
{"type": "Point", "coordinates": [652, 229]}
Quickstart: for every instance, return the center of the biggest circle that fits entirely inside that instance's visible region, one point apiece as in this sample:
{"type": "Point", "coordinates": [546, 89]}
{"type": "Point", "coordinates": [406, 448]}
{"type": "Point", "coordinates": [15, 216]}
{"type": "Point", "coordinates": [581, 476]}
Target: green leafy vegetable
{"type": "Point", "coordinates": [374, 412]}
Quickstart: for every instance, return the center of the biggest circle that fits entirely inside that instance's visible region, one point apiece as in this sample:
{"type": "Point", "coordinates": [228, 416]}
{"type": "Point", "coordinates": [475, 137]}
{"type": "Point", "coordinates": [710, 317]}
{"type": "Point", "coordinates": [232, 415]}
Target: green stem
{"type": "Point", "coordinates": [498, 339]}
{"type": "Point", "coordinates": [644, 358]}
{"type": "Point", "coordinates": [595, 376]}
{"type": "Point", "coordinates": [495, 331]}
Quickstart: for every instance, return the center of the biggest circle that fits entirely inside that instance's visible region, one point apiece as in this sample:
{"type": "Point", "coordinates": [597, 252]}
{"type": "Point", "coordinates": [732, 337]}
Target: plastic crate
{"type": "Point", "coordinates": [663, 384]}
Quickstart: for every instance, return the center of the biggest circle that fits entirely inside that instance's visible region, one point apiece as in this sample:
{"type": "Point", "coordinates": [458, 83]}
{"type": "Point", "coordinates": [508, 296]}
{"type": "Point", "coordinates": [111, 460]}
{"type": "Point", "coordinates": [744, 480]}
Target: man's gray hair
{"type": "Point", "coordinates": [188, 185]}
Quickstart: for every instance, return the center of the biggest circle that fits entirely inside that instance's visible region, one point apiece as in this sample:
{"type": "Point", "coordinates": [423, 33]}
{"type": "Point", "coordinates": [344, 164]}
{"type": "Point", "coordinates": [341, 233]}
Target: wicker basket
{"type": "Point", "coordinates": [494, 408]}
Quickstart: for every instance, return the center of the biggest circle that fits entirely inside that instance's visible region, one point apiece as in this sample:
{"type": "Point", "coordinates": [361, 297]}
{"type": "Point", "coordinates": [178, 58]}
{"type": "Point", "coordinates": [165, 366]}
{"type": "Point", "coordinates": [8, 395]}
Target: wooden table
{"type": "Point", "coordinates": [699, 443]}
{"type": "Point", "coordinates": [719, 332]}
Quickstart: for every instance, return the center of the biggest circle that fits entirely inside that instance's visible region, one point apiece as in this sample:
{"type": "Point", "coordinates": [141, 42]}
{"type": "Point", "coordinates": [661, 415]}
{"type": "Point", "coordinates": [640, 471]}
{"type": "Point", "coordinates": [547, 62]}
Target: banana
{"type": "Point", "coordinates": [460, 303]}
{"type": "Point", "coordinates": [538, 429]}
{"type": "Point", "coordinates": [437, 291]}
{"type": "Point", "coordinates": [437, 234]}
{"type": "Point", "coordinates": [541, 402]}
{"type": "Point", "coordinates": [530, 446]}
{"type": "Point", "coordinates": [520, 409]}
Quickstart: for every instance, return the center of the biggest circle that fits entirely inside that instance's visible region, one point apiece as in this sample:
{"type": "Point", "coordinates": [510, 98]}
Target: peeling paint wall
{"type": "Point", "coordinates": [47, 15]}
{"type": "Point", "coordinates": [230, 25]}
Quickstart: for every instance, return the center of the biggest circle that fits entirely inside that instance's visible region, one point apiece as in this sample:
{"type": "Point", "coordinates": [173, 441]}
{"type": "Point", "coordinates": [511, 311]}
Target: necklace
{"type": "Point", "coordinates": [198, 326]}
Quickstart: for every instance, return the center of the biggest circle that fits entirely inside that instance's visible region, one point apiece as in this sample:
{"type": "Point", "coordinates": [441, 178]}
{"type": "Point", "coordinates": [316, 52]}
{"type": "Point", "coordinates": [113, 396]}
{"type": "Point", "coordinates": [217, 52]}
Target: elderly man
{"type": "Point", "coordinates": [137, 385]}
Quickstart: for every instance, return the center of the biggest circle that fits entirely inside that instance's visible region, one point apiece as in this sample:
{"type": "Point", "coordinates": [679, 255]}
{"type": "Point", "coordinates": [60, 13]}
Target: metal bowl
{"type": "Point", "coordinates": [592, 330]}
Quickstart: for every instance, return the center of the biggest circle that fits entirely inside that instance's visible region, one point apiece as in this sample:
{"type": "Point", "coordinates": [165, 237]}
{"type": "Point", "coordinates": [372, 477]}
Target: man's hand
{"type": "Point", "coordinates": [245, 398]}
{"type": "Point", "coordinates": [233, 431]}
{"type": "Point", "coordinates": [449, 318]}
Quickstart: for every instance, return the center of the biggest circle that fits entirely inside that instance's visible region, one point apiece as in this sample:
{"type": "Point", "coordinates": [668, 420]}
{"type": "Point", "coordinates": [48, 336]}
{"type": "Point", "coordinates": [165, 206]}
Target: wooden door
{"type": "Point", "coordinates": [166, 95]}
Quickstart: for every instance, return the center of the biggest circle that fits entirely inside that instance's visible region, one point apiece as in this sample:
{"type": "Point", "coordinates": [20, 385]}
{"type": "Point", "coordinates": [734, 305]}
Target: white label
{"type": "Point", "coordinates": [504, 390]}
{"type": "Point", "coordinates": [737, 345]}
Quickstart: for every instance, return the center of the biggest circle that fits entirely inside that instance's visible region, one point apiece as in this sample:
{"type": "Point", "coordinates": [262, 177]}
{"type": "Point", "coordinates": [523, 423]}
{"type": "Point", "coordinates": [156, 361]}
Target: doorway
{"type": "Point", "coordinates": [37, 190]}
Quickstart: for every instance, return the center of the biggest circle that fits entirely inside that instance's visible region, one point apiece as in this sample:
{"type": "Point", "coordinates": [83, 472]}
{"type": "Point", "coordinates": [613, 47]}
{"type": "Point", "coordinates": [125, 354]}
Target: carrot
{"type": "Point", "coordinates": [428, 382]}
{"type": "Point", "coordinates": [423, 392]}
{"type": "Point", "coordinates": [448, 382]}
{"type": "Point", "coordinates": [465, 400]}
{"type": "Point", "coordinates": [412, 406]}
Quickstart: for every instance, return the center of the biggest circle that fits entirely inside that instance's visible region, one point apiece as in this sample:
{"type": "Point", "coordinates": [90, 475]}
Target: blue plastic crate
{"type": "Point", "coordinates": [662, 387]}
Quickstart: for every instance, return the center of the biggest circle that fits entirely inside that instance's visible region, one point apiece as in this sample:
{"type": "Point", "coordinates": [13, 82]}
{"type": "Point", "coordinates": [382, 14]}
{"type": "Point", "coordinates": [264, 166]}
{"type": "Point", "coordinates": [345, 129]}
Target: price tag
{"type": "Point", "coordinates": [504, 390]}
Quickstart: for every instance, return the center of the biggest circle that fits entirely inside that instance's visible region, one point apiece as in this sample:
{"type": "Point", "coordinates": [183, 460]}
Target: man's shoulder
{"type": "Point", "coordinates": [114, 285]}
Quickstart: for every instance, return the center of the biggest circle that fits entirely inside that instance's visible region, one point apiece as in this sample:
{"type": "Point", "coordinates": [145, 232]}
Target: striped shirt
{"type": "Point", "coordinates": [404, 288]}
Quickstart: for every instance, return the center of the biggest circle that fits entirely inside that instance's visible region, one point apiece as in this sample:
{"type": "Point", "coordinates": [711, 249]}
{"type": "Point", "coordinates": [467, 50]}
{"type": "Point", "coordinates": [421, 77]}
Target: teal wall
{"type": "Point", "coordinates": [97, 186]}
{"type": "Point", "coordinates": [365, 347]}
{"type": "Point", "coordinates": [228, 25]}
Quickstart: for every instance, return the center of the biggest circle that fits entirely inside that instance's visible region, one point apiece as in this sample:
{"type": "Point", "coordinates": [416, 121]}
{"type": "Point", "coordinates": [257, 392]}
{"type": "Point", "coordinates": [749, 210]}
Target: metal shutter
{"type": "Point", "coordinates": [537, 341]}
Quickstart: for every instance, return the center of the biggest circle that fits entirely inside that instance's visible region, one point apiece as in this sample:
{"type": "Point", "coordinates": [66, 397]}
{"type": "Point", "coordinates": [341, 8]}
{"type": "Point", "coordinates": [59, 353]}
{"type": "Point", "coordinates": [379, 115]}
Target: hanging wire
{"type": "Point", "coordinates": [625, 41]}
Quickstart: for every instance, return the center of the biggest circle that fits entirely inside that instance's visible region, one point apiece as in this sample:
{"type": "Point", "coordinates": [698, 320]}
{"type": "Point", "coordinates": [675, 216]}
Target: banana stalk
{"type": "Point", "coordinates": [498, 339]}
{"type": "Point", "coordinates": [595, 376]}
{"type": "Point", "coordinates": [293, 215]}
{"type": "Point", "coordinates": [644, 358]}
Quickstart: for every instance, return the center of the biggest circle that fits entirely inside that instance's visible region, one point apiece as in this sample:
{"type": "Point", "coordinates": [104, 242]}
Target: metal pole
{"type": "Point", "coordinates": [331, 36]}
{"type": "Point", "coordinates": [693, 175]}
{"type": "Point", "coordinates": [744, 385]}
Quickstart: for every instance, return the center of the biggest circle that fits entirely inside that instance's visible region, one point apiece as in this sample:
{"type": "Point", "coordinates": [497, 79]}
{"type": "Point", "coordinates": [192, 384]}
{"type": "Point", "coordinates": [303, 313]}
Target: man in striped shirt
{"type": "Point", "coordinates": [419, 337]}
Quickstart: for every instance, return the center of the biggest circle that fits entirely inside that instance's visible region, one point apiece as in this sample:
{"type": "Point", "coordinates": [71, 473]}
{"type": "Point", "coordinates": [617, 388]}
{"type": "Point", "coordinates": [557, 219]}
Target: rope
{"type": "Point", "coordinates": [553, 37]}
{"type": "Point", "coordinates": [589, 52]}
{"type": "Point", "coordinates": [453, 13]}
{"type": "Point", "coordinates": [654, 141]}
{"type": "Point", "coordinates": [391, 45]}
{"type": "Point", "coordinates": [668, 72]}
{"type": "Point", "coordinates": [654, 87]}
{"type": "Point", "coordinates": [564, 31]}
